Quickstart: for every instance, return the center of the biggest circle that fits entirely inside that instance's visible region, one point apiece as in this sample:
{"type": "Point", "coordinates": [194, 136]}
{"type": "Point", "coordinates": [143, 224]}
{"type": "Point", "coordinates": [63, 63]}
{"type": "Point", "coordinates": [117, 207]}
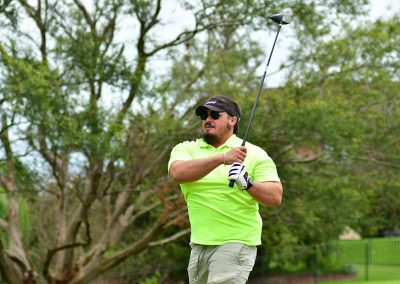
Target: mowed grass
{"type": "Point", "coordinates": [386, 274]}
{"type": "Point", "coordinates": [378, 251]}
{"type": "Point", "coordinates": [363, 282]}
{"type": "Point", "coordinates": [379, 272]}
{"type": "Point", "coordinates": [382, 256]}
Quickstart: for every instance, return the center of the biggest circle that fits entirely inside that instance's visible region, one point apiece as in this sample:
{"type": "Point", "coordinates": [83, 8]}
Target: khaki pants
{"type": "Point", "coordinates": [230, 263]}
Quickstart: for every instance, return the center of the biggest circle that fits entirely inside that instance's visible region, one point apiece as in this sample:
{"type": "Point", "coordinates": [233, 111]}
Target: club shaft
{"type": "Point", "coordinates": [246, 134]}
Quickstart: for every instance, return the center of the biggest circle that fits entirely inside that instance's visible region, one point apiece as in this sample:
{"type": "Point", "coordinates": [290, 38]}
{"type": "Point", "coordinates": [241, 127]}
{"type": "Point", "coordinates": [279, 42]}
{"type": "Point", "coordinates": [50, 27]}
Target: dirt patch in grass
{"type": "Point", "coordinates": [298, 279]}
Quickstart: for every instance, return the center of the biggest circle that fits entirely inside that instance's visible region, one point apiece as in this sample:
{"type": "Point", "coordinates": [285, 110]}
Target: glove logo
{"type": "Point", "coordinates": [239, 175]}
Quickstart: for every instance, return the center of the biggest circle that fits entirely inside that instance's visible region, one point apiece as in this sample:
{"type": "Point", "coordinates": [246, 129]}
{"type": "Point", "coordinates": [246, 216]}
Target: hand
{"type": "Point", "coordinates": [239, 175]}
{"type": "Point", "coordinates": [235, 155]}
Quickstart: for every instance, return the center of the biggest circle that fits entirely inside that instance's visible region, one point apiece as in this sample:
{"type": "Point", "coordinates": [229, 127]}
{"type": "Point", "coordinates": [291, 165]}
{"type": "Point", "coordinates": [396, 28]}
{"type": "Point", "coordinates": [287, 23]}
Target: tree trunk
{"type": "Point", "coordinates": [13, 270]}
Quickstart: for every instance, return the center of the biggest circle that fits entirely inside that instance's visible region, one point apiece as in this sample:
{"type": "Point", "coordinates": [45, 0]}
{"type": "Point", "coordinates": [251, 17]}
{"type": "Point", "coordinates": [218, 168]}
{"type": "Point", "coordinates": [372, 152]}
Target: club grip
{"type": "Point", "coordinates": [231, 183]}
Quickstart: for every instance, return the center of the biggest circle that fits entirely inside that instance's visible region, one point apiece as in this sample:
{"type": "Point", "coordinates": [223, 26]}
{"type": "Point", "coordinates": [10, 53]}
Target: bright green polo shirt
{"type": "Point", "coordinates": [218, 213]}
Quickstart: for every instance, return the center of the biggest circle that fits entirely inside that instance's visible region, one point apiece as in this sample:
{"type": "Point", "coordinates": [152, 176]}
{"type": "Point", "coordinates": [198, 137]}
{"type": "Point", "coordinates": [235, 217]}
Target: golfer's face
{"type": "Point", "coordinates": [215, 123]}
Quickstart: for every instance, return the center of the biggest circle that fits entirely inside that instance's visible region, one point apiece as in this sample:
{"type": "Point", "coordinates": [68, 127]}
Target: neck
{"type": "Point", "coordinates": [216, 141]}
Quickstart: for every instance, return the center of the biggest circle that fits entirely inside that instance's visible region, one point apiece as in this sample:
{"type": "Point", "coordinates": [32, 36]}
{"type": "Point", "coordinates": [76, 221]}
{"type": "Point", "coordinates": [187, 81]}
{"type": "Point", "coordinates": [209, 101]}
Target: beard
{"type": "Point", "coordinates": [210, 138]}
{"type": "Point", "coordinates": [213, 139]}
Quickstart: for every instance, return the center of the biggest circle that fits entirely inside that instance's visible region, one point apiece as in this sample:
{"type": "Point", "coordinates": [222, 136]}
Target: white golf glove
{"type": "Point", "coordinates": [239, 175]}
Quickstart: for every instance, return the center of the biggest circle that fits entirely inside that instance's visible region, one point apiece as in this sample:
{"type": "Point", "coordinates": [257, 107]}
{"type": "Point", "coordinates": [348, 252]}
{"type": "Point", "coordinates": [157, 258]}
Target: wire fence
{"type": "Point", "coordinates": [342, 261]}
{"type": "Point", "coordinates": [372, 259]}
{"type": "Point", "coordinates": [353, 261]}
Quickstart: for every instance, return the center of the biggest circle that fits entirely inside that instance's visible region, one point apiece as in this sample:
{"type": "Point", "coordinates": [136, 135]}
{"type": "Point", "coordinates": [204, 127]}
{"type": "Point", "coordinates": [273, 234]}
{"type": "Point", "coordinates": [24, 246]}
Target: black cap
{"type": "Point", "coordinates": [217, 105]}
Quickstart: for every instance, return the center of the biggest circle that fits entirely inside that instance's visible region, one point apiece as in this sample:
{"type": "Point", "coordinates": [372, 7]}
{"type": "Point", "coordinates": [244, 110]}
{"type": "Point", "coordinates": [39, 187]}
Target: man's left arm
{"type": "Point", "coordinates": [267, 188]}
{"type": "Point", "coordinates": [267, 193]}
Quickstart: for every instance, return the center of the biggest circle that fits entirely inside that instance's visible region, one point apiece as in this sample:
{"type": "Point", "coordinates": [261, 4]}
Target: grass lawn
{"type": "Point", "coordinates": [377, 274]}
{"type": "Point", "coordinates": [364, 282]}
{"type": "Point", "coordinates": [382, 254]}
{"type": "Point", "coordinates": [351, 256]}
{"type": "Point", "coordinates": [380, 251]}
{"type": "Point", "coordinates": [387, 272]}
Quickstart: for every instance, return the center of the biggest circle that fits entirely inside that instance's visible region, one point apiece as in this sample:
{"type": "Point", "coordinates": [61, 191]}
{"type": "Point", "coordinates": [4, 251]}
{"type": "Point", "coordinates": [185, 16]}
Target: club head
{"type": "Point", "coordinates": [282, 19]}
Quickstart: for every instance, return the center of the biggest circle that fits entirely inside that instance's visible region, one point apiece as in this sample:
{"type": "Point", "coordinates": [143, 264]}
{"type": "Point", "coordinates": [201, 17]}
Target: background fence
{"type": "Point", "coordinates": [342, 261]}
{"type": "Point", "coordinates": [353, 261]}
{"type": "Point", "coordinates": [373, 259]}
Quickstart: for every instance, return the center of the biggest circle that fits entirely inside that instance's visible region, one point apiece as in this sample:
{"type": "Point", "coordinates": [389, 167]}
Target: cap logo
{"type": "Point", "coordinates": [211, 102]}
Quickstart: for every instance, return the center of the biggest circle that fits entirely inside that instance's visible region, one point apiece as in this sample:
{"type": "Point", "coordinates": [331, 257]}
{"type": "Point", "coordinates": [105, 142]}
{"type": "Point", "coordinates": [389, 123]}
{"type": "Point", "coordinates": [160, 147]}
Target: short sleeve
{"type": "Point", "coordinates": [264, 168]}
{"type": "Point", "coordinates": [179, 153]}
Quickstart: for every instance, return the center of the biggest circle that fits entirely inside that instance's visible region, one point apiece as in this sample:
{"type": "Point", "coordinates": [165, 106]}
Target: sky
{"type": "Point", "coordinates": [178, 20]}
{"type": "Point", "coordinates": [378, 9]}
{"type": "Point", "coordinates": [383, 9]}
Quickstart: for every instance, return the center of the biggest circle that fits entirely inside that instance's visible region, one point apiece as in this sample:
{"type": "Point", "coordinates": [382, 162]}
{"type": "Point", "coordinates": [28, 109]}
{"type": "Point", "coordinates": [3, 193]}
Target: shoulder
{"type": "Point", "coordinates": [189, 144]}
{"type": "Point", "coordinates": [183, 151]}
{"type": "Point", "coordinates": [255, 150]}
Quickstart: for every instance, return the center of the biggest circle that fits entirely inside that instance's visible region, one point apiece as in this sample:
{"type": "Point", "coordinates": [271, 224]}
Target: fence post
{"type": "Point", "coordinates": [316, 264]}
{"type": "Point", "coordinates": [367, 249]}
{"type": "Point", "coordinates": [262, 270]}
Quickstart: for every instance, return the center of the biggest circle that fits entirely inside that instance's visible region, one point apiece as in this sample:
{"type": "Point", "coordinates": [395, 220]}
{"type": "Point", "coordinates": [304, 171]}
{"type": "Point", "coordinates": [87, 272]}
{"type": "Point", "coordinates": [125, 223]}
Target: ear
{"type": "Point", "coordinates": [232, 120]}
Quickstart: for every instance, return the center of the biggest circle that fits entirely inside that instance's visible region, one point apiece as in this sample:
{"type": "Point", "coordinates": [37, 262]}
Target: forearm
{"type": "Point", "coordinates": [267, 193]}
{"type": "Point", "coordinates": [192, 170]}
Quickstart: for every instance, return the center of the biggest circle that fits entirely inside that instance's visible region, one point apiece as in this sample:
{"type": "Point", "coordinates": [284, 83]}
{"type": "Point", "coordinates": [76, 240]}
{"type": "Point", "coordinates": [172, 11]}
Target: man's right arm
{"type": "Point", "coordinates": [182, 171]}
{"type": "Point", "coordinates": [192, 170]}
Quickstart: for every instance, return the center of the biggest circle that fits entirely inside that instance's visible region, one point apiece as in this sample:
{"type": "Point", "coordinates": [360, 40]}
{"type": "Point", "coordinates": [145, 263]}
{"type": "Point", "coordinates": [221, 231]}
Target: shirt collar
{"type": "Point", "coordinates": [232, 142]}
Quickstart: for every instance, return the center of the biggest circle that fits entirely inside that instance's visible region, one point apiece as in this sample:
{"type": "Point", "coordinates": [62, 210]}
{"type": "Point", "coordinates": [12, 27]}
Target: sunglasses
{"type": "Point", "coordinates": [214, 115]}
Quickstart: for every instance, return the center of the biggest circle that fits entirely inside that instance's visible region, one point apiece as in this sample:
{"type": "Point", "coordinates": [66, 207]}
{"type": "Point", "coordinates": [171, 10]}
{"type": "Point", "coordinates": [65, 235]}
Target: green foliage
{"type": "Point", "coordinates": [89, 123]}
{"type": "Point", "coordinates": [332, 132]}
{"type": "Point", "coordinates": [24, 218]}
{"type": "Point", "coordinates": [161, 262]}
{"type": "Point", "coordinates": [8, 9]}
{"type": "Point", "coordinates": [151, 280]}
{"type": "Point", "coordinates": [353, 257]}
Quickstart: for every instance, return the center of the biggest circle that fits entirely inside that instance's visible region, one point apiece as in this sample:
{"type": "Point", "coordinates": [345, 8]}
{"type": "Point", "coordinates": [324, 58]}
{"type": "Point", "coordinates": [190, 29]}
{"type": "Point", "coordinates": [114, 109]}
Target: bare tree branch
{"type": "Point", "coordinates": [171, 238]}
{"type": "Point", "coordinates": [387, 164]}
{"type": "Point", "coordinates": [177, 216]}
{"type": "Point", "coordinates": [298, 161]}
{"type": "Point", "coordinates": [91, 270]}
{"type": "Point", "coordinates": [51, 253]}
{"type": "Point", "coordinates": [3, 224]}
{"type": "Point", "coordinates": [15, 247]}
{"type": "Point", "coordinates": [36, 15]}
{"type": "Point", "coordinates": [86, 15]}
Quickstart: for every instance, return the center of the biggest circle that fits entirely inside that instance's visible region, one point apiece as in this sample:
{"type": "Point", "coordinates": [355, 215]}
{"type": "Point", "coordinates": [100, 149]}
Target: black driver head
{"type": "Point", "coordinates": [282, 19]}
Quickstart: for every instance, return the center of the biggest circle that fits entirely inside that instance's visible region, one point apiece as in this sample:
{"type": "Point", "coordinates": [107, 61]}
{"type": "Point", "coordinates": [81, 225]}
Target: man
{"type": "Point", "coordinates": [225, 222]}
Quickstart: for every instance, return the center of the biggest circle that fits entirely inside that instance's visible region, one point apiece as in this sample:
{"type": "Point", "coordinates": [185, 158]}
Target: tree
{"type": "Point", "coordinates": [92, 127]}
{"type": "Point", "coordinates": [334, 134]}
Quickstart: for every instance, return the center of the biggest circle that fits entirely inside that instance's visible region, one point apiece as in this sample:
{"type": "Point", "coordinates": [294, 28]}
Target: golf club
{"type": "Point", "coordinates": [281, 19]}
